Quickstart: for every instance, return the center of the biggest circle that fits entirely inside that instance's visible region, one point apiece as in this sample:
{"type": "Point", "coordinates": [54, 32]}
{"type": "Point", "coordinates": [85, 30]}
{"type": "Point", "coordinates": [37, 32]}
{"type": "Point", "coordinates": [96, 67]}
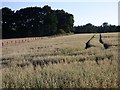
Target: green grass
{"type": "Point", "coordinates": [61, 62]}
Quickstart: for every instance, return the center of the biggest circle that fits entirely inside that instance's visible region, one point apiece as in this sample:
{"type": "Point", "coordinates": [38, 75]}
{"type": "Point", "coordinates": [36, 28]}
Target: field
{"type": "Point", "coordinates": [60, 62]}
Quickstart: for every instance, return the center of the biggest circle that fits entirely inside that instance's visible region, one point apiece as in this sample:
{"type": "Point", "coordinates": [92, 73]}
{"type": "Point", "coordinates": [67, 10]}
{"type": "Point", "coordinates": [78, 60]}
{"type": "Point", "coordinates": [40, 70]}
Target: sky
{"type": "Point", "coordinates": [85, 12]}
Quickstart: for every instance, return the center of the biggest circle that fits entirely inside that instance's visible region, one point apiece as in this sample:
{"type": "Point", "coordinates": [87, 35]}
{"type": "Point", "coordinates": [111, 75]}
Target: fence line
{"type": "Point", "coordinates": [6, 42]}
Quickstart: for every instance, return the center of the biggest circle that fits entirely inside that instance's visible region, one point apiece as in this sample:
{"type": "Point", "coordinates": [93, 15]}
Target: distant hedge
{"type": "Point", "coordinates": [89, 28]}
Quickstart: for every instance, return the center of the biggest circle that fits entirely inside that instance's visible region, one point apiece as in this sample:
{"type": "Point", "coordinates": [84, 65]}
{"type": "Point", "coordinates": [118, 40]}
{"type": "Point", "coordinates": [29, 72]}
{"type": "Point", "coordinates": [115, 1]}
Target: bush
{"type": "Point", "coordinates": [61, 31]}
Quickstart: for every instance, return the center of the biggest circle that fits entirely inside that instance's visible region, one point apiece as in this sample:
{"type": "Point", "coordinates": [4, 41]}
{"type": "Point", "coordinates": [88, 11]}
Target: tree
{"type": "Point", "coordinates": [30, 21]}
{"type": "Point", "coordinates": [105, 24]}
{"type": "Point", "coordinates": [89, 28]}
{"type": "Point", "coordinates": [50, 21]}
{"type": "Point", "coordinates": [65, 21]}
{"type": "Point", "coordinates": [105, 27]}
{"type": "Point", "coordinates": [37, 21]}
{"type": "Point", "coordinates": [7, 23]}
{"type": "Point", "coordinates": [118, 28]}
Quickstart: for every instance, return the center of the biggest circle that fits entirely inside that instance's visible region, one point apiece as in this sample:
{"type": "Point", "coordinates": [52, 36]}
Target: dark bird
{"type": "Point", "coordinates": [87, 44]}
{"type": "Point", "coordinates": [100, 40]}
{"type": "Point", "coordinates": [106, 46]}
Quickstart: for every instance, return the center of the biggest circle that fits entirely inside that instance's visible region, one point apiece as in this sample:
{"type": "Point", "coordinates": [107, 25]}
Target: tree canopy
{"type": "Point", "coordinates": [35, 21]}
{"type": "Point", "coordinates": [43, 21]}
{"type": "Point", "coordinates": [89, 28]}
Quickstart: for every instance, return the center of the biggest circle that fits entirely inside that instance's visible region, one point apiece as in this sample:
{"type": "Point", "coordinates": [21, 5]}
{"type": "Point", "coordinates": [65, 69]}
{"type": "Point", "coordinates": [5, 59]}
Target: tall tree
{"type": "Point", "coordinates": [65, 21]}
{"type": "Point", "coordinates": [7, 23]}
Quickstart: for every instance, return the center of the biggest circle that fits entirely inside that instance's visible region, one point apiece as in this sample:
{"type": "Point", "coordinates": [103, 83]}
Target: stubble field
{"type": "Point", "coordinates": [61, 62]}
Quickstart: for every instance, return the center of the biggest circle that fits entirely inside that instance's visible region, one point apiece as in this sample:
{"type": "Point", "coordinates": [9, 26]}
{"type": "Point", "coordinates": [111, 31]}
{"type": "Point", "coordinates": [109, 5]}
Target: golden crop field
{"type": "Point", "coordinates": [61, 62]}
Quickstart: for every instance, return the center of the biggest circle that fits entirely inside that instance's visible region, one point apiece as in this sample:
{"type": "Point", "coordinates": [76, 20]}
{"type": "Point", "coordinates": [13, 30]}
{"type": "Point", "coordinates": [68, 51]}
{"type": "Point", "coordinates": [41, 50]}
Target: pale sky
{"type": "Point", "coordinates": [93, 12]}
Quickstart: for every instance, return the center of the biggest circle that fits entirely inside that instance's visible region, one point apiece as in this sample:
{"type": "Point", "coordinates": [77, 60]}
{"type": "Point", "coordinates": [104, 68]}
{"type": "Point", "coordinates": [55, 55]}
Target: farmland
{"type": "Point", "coordinates": [60, 62]}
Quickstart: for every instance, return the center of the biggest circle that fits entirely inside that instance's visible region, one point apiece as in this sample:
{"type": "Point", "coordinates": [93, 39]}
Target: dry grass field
{"type": "Point", "coordinates": [61, 62]}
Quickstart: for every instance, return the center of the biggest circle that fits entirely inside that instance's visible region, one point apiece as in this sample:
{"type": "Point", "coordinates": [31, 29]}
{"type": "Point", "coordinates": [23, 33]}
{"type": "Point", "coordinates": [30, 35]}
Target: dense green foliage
{"type": "Point", "coordinates": [89, 28]}
{"type": "Point", "coordinates": [37, 21]}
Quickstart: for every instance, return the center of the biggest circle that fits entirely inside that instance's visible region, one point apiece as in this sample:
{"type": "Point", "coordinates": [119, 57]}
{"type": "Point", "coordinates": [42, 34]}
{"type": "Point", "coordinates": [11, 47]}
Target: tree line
{"type": "Point", "coordinates": [89, 28]}
{"type": "Point", "coordinates": [43, 21]}
{"type": "Point", "coordinates": [35, 21]}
